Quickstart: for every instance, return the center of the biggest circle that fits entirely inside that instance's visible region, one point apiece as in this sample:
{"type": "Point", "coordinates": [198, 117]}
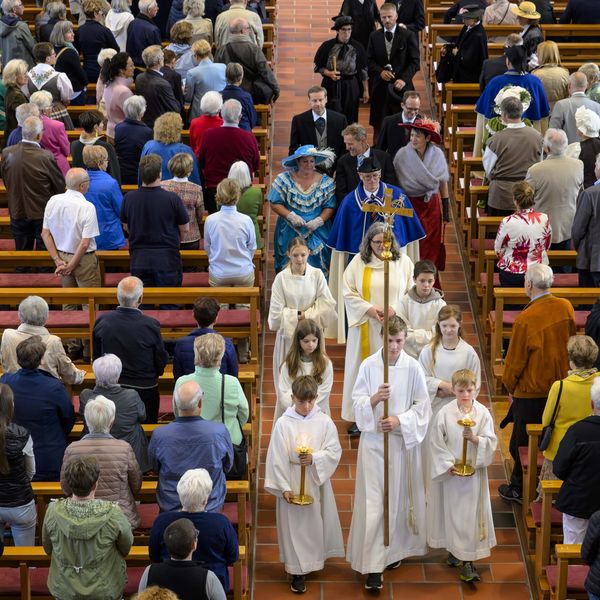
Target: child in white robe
{"type": "Point", "coordinates": [420, 306]}
{"type": "Point", "coordinates": [459, 510]}
{"type": "Point", "coordinates": [307, 356]}
{"type": "Point", "coordinates": [307, 535]}
{"type": "Point", "coordinates": [409, 414]}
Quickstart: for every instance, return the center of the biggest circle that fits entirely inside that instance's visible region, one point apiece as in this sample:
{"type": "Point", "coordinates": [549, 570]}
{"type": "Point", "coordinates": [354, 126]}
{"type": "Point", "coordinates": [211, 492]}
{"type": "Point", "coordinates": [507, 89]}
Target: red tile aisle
{"type": "Point", "coordinates": [302, 26]}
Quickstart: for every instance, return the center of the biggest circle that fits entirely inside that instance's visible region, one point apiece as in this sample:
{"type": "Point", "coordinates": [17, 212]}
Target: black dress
{"type": "Point", "coordinates": [344, 95]}
{"type": "Point", "coordinates": [364, 16]}
{"type": "Point", "coordinates": [472, 51]}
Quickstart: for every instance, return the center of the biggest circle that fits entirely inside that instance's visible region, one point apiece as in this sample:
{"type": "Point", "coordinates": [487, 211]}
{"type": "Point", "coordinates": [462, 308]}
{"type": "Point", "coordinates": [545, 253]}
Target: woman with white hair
{"type": "Point", "coordinates": [131, 136]}
{"type": "Point", "coordinates": [592, 73]}
{"type": "Point", "coordinates": [130, 411]}
{"type": "Point", "coordinates": [194, 13]}
{"type": "Point", "coordinates": [120, 475]}
{"type": "Point", "coordinates": [210, 107]}
{"type": "Point", "coordinates": [218, 544]}
{"type": "Point", "coordinates": [251, 200]}
{"type": "Point", "coordinates": [117, 20]}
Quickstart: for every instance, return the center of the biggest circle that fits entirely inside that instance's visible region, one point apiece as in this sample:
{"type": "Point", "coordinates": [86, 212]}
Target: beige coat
{"type": "Point", "coordinates": [222, 34]}
{"type": "Point", "coordinates": [555, 80]}
{"type": "Point", "coordinates": [120, 475]}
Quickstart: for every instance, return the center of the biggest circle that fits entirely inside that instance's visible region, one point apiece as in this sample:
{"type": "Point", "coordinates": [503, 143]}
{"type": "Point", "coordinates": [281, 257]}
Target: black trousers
{"type": "Point", "coordinates": [525, 411]}
{"type": "Point", "coordinates": [151, 399]}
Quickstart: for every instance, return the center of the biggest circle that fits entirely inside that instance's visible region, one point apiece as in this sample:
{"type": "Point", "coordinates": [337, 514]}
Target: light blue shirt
{"type": "Point", "coordinates": [207, 76]}
{"type": "Point", "coordinates": [230, 242]}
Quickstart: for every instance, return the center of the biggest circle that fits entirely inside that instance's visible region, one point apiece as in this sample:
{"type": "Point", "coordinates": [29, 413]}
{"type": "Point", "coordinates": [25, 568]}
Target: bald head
{"type": "Point", "coordinates": [239, 26]}
{"type": "Point", "coordinates": [77, 179]}
{"type": "Point", "coordinates": [577, 82]}
{"type": "Point", "coordinates": [188, 398]}
{"type": "Point", "coordinates": [555, 141]}
{"type": "Point", "coordinates": [130, 292]}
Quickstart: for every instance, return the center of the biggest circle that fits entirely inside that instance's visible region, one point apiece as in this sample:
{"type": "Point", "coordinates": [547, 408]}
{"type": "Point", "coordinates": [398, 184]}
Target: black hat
{"type": "Point", "coordinates": [340, 21]}
{"type": "Point", "coordinates": [369, 165]}
{"type": "Point", "coordinates": [473, 11]}
{"type": "Point", "coordinates": [517, 55]}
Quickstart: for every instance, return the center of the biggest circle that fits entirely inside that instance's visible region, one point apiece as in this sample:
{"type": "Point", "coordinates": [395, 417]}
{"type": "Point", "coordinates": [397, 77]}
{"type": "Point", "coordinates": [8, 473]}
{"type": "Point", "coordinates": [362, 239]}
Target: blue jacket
{"type": "Point", "coordinates": [235, 92]}
{"type": "Point", "coordinates": [130, 138]}
{"type": "Point", "coordinates": [44, 407]}
{"type": "Point", "coordinates": [141, 33]}
{"type": "Point", "coordinates": [190, 443]}
{"type": "Point", "coordinates": [183, 355]}
{"type": "Point", "coordinates": [168, 151]}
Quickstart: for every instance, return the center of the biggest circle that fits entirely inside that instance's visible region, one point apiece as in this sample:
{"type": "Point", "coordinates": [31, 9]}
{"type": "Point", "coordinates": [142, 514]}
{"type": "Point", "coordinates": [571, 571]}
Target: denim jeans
{"type": "Point", "coordinates": [22, 521]}
{"type": "Point", "coordinates": [152, 278]}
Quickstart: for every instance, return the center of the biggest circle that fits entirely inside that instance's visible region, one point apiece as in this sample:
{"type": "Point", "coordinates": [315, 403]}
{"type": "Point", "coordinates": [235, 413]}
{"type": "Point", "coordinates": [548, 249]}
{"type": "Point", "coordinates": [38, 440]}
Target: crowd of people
{"type": "Point", "coordinates": [335, 245]}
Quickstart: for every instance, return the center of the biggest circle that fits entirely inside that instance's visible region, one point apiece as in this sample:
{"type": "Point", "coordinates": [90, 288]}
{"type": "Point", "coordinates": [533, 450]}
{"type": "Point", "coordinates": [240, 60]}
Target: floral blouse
{"type": "Point", "coordinates": [523, 239]}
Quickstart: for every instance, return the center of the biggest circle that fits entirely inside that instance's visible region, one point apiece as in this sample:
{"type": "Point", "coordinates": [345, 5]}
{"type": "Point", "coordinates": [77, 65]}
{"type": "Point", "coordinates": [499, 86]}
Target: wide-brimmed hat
{"type": "Point", "coordinates": [341, 21]}
{"type": "Point", "coordinates": [427, 126]}
{"type": "Point", "coordinates": [472, 11]}
{"type": "Point", "coordinates": [320, 156]}
{"type": "Point", "coordinates": [527, 10]}
{"type": "Point", "coordinates": [587, 121]}
{"type": "Point", "coordinates": [369, 165]}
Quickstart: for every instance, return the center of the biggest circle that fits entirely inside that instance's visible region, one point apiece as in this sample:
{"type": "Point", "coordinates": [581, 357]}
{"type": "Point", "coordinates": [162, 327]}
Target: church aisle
{"type": "Point", "coordinates": [301, 28]}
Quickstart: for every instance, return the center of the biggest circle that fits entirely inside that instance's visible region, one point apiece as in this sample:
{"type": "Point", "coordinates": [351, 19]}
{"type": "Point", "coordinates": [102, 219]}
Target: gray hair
{"type": "Point", "coordinates": [231, 111]}
{"type": "Point", "coordinates": [188, 396]}
{"type": "Point", "coordinates": [134, 107]}
{"type": "Point", "coordinates": [145, 6]}
{"type": "Point", "coordinates": [75, 177]}
{"type": "Point", "coordinates": [365, 250]}
{"type": "Point", "coordinates": [60, 29]}
{"type": "Point", "coordinates": [99, 414]}
{"type": "Point", "coordinates": [578, 81]}
{"type": "Point", "coordinates": [42, 99]}
{"type": "Point", "coordinates": [107, 370]}
{"type": "Point", "coordinates": [104, 55]}
{"type": "Point", "coordinates": [240, 172]}
{"type": "Point", "coordinates": [33, 310]}
{"type": "Point", "coordinates": [56, 10]}
{"type": "Point", "coordinates": [153, 56]}
{"type": "Point", "coordinates": [211, 103]}
{"type": "Point", "coordinates": [8, 6]}
{"type": "Point", "coordinates": [194, 8]}
{"type": "Point", "coordinates": [595, 394]}
{"type": "Point", "coordinates": [238, 26]}
{"type": "Point", "coordinates": [512, 107]}
{"type": "Point", "coordinates": [24, 111]}
{"type": "Point", "coordinates": [193, 490]}
{"type": "Point", "coordinates": [32, 129]}
{"type": "Point", "coordinates": [556, 141]}
{"type": "Point", "coordinates": [129, 291]}
{"type": "Point", "coordinates": [591, 71]}
{"type": "Point", "coordinates": [120, 6]}
{"type": "Point", "coordinates": [540, 276]}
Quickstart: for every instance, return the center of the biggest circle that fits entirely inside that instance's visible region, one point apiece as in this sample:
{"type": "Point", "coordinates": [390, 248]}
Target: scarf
{"type": "Point", "coordinates": [421, 177]}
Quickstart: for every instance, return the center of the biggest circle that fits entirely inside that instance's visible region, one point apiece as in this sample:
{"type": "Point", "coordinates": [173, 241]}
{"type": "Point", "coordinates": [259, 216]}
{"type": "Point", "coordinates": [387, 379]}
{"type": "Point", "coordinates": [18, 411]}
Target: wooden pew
{"type": "Point", "coordinates": [568, 559]}
{"type": "Point", "coordinates": [531, 464]}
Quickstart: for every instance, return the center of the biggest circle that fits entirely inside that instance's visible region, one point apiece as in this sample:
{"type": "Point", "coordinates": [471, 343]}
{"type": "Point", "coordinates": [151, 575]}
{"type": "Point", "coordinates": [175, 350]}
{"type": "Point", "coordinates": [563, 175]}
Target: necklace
{"type": "Point", "coordinates": [450, 349]}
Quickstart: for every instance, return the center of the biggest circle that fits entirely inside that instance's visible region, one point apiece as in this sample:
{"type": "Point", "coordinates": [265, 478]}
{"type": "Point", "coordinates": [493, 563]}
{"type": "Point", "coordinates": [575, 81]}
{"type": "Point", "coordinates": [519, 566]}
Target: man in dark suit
{"type": "Point", "coordinates": [143, 31]}
{"type": "Point", "coordinates": [346, 174]}
{"type": "Point", "coordinates": [153, 86]}
{"type": "Point", "coordinates": [391, 136]}
{"type": "Point", "coordinates": [393, 59]}
{"type": "Point", "coordinates": [497, 65]}
{"type": "Point", "coordinates": [581, 12]}
{"type": "Point", "coordinates": [318, 126]}
{"type": "Point", "coordinates": [410, 14]}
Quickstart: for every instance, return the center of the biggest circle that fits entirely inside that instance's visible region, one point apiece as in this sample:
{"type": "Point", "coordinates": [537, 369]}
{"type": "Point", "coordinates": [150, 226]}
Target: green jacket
{"type": "Point", "coordinates": [88, 541]}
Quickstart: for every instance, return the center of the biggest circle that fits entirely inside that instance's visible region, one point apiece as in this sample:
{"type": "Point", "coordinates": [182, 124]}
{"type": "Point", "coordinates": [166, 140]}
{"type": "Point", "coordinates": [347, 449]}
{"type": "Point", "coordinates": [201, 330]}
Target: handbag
{"type": "Point", "coordinates": [442, 256]}
{"type": "Point", "coordinates": [445, 68]}
{"type": "Point", "coordinates": [548, 430]}
{"type": "Point", "coordinates": [239, 468]}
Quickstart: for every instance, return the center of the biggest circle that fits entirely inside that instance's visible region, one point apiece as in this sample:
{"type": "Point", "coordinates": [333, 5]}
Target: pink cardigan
{"type": "Point", "coordinates": [55, 140]}
{"type": "Point", "coordinates": [114, 96]}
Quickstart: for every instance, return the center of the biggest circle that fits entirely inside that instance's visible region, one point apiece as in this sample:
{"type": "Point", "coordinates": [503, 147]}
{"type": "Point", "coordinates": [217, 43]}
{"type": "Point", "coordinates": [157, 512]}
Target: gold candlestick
{"type": "Point", "coordinates": [463, 469]}
{"type": "Point", "coordinates": [302, 499]}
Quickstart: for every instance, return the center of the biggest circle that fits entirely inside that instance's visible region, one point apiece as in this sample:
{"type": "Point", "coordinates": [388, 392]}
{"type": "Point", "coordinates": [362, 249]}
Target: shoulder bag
{"type": "Point", "coordinates": [239, 468]}
{"type": "Point", "coordinates": [549, 429]}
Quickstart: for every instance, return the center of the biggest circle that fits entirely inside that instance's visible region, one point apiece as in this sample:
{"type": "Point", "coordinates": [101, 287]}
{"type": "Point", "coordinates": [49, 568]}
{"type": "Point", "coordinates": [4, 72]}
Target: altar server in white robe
{"type": "Point", "coordinates": [363, 298]}
{"type": "Point", "coordinates": [307, 356]}
{"type": "Point", "coordinates": [307, 535]}
{"type": "Point", "coordinates": [459, 510]}
{"type": "Point", "coordinates": [299, 292]}
{"type": "Point", "coordinates": [409, 411]}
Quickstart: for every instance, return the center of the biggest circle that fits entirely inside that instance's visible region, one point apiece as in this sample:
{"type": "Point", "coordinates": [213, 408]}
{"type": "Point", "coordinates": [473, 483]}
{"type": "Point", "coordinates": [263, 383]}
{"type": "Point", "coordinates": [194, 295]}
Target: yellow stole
{"type": "Point", "coordinates": [365, 347]}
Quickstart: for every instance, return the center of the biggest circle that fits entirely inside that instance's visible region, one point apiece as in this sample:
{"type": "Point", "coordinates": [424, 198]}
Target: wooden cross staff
{"type": "Point", "coordinates": [388, 211]}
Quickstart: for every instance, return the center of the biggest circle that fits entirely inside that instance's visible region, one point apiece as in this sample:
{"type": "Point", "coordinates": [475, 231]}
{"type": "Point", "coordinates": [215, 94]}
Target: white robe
{"type": "Point", "coordinates": [409, 401]}
{"type": "Point", "coordinates": [421, 318]}
{"type": "Point", "coordinates": [284, 390]}
{"type": "Point", "coordinates": [289, 294]}
{"type": "Point", "coordinates": [459, 510]}
{"type": "Point", "coordinates": [307, 535]}
{"type": "Point", "coordinates": [364, 333]}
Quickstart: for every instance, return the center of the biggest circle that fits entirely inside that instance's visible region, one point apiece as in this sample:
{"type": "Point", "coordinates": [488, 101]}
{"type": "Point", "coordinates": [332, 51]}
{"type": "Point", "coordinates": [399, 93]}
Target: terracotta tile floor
{"type": "Point", "coordinates": [301, 28]}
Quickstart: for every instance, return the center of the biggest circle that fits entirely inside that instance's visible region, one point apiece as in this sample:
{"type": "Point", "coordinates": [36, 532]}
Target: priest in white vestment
{"type": "Point", "coordinates": [410, 411]}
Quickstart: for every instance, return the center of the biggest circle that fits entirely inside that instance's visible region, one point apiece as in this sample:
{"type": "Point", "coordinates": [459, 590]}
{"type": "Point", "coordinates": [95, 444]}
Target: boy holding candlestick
{"type": "Point", "coordinates": [459, 509]}
{"type": "Point", "coordinates": [304, 438]}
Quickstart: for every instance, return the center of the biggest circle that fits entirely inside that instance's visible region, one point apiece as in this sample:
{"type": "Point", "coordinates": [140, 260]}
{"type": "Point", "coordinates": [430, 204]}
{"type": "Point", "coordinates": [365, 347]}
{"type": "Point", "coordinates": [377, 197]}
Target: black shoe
{"type": "Point", "coordinates": [298, 585]}
{"type": "Point", "coordinates": [374, 581]}
{"type": "Point", "coordinates": [353, 430]}
{"type": "Point", "coordinates": [393, 565]}
{"type": "Point", "coordinates": [452, 561]}
{"type": "Point", "coordinates": [469, 573]}
{"type": "Point", "coordinates": [510, 493]}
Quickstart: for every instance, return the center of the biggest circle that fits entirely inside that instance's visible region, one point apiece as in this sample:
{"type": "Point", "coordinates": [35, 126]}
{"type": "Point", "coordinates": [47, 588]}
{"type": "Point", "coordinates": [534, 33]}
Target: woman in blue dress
{"type": "Point", "coordinates": [304, 201]}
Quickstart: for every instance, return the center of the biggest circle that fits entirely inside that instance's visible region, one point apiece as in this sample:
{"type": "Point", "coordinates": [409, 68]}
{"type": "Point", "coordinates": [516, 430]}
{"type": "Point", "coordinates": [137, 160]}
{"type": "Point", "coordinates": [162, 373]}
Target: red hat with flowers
{"type": "Point", "coordinates": [428, 127]}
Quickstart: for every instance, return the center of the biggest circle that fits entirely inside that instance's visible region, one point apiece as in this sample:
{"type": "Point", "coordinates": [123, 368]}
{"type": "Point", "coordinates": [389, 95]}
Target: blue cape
{"type": "Point", "coordinates": [351, 223]}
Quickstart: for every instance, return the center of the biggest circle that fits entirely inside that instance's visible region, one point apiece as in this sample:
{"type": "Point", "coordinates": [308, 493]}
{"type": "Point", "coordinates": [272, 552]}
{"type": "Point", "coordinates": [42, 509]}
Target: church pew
{"type": "Point", "coordinates": [531, 461]}
{"type": "Point", "coordinates": [174, 323]}
{"type": "Point", "coordinates": [567, 577]}
{"type": "Point", "coordinates": [472, 189]}
{"type": "Point", "coordinates": [32, 562]}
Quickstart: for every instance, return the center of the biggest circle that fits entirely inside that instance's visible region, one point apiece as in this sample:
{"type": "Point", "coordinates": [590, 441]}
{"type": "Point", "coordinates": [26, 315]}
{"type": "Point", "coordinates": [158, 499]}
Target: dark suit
{"type": "Point", "coordinates": [582, 12]}
{"type": "Point", "coordinates": [490, 68]}
{"type": "Point", "coordinates": [452, 16]}
{"type": "Point", "coordinates": [472, 51]}
{"type": "Point", "coordinates": [411, 13]}
{"type": "Point", "coordinates": [404, 59]}
{"type": "Point", "coordinates": [158, 94]}
{"type": "Point", "coordinates": [391, 136]}
{"type": "Point", "coordinates": [346, 175]}
{"type": "Point", "coordinates": [303, 131]}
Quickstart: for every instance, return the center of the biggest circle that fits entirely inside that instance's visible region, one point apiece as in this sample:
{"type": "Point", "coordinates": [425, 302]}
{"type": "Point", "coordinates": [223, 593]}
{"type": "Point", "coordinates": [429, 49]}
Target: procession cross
{"type": "Point", "coordinates": [388, 211]}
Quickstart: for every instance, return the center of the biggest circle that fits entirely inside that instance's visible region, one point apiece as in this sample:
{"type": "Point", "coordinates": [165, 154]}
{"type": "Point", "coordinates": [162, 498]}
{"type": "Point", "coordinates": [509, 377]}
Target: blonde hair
{"type": "Point", "coordinates": [181, 165]}
{"type": "Point", "coordinates": [201, 49]}
{"type": "Point", "coordinates": [209, 350]}
{"type": "Point", "coordinates": [155, 592]}
{"type": "Point", "coordinates": [464, 377]}
{"type": "Point", "coordinates": [228, 192]}
{"type": "Point", "coordinates": [167, 128]}
{"type": "Point", "coordinates": [94, 156]}
{"type": "Point", "coordinates": [548, 53]}
{"type": "Point", "coordinates": [582, 351]}
{"type": "Point", "coordinates": [12, 70]}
